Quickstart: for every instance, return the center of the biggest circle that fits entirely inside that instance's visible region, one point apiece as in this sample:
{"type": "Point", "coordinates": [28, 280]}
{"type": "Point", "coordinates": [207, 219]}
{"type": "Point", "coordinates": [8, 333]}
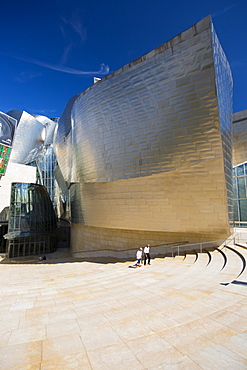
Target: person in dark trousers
{"type": "Point", "coordinates": [147, 254]}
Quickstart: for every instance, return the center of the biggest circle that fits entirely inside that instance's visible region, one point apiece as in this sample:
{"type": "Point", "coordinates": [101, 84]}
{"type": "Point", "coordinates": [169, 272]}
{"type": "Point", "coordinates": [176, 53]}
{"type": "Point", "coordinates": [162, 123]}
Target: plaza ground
{"type": "Point", "coordinates": [187, 312]}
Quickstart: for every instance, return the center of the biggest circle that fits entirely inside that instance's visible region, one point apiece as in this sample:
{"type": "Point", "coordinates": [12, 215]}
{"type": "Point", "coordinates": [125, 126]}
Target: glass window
{"type": "Point", "coordinates": [235, 210]}
{"type": "Point", "coordinates": [31, 212]}
{"type": "Point", "coordinates": [240, 170]}
{"type": "Point", "coordinates": [241, 187]}
{"type": "Point", "coordinates": [243, 209]}
{"type": "Point", "coordinates": [234, 188]}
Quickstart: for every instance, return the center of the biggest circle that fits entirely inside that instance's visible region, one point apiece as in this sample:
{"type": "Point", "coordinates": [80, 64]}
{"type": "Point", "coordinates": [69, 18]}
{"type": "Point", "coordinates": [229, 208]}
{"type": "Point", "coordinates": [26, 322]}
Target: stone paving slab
{"type": "Point", "coordinates": [73, 314]}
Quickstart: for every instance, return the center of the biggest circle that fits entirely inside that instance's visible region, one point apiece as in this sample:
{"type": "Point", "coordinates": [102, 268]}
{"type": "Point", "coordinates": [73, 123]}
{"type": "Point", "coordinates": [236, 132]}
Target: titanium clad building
{"type": "Point", "coordinates": [32, 220]}
{"type": "Point", "coordinates": [146, 151]}
{"type": "Point", "coordinates": [34, 146]}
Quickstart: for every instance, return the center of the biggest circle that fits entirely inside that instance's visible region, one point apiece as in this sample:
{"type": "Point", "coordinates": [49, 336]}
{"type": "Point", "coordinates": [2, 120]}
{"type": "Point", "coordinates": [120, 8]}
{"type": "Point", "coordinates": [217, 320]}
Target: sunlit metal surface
{"type": "Point", "coordinates": [49, 128]}
{"type": "Point", "coordinates": [32, 134]}
{"type": "Point", "coordinates": [29, 138]}
{"type": "Point", "coordinates": [224, 85]}
{"type": "Point", "coordinates": [148, 148]}
{"type": "Point", "coordinates": [64, 143]}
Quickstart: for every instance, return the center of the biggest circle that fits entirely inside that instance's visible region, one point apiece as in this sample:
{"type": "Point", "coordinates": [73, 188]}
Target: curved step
{"type": "Point", "coordinates": [206, 269]}
{"type": "Point", "coordinates": [233, 266]}
{"type": "Point", "coordinates": [243, 277]}
{"type": "Point", "coordinates": [190, 258]}
{"type": "Point", "coordinates": [241, 257]}
{"type": "Point", "coordinates": [224, 257]}
{"type": "Point", "coordinates": [209, 256]}
{"type": "Point", "coordinates": [242, 245]}
{"type": "Point", "coordinates": [190, 273]}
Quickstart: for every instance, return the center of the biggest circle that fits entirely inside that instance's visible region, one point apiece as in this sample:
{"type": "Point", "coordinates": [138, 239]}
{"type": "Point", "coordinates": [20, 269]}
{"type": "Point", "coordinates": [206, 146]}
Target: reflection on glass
{"type": "Point", "coordinates": [240, 195]}
{"type": "Point", "coordinates": [32, 218]}
{"type": "Point", "coordinates": [240, 170]}
{"type": "Point", "coordinates": [241, 187]}
{"type": "Point", "coordinates": [243, 209]}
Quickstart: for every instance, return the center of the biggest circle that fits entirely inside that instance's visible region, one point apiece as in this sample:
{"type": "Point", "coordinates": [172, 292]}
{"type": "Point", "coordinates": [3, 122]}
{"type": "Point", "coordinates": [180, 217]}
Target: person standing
{"type": "Point", "coordinates": [147, 254]}
{"type": "Point", "coordinates": [139, 257]}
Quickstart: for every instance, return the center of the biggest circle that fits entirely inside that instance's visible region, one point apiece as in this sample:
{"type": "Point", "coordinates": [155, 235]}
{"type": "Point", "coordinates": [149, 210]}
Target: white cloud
{"type": "Point", "coordinates": [223, 11]}
{"type": "Point", "coordinates": [73, 33]}
{"type": "Point", "coordinates": [76, 25]}
{"type": "Point", "coordinates": [26, 76]}
{"type": "Point", "coordinates": [104, 68]}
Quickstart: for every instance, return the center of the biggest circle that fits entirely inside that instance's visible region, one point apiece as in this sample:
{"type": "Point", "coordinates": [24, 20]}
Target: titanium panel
{"type": "Point", "coordinates": [64, 143]}
{"type": "Point", "coordinates": [224, 86]}
{"type": "Point", "coordinates": [29, 138]}
{"type": "Point", "coordinates": [50, 127]}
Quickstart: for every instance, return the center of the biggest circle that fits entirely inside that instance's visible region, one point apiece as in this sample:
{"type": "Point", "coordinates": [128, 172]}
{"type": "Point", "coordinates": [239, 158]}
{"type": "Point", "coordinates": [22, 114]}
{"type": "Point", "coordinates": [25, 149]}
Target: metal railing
{"type": "Point", "coordinates": [240, 224]}
{"type": "Point", "coordinates": [153, 247]}
{"type": "Point", "coordinates": [199, 247]}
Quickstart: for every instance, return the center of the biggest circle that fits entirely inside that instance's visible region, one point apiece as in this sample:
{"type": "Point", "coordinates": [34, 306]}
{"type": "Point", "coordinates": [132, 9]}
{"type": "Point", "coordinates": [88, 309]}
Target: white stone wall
{"type": "Point", "coordinates": [15, 173]}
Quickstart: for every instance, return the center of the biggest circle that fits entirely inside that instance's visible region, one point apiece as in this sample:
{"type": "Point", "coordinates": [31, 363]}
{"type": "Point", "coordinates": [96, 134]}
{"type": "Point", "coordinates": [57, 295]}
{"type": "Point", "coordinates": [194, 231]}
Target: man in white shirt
{"type": "Point", "coordinates": [147, 254]}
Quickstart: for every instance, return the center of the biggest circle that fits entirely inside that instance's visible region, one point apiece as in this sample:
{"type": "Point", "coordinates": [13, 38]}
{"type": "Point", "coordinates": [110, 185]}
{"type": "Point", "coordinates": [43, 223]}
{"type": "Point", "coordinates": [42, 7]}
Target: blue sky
{"type": "Point", "coordinates": [52, 49]}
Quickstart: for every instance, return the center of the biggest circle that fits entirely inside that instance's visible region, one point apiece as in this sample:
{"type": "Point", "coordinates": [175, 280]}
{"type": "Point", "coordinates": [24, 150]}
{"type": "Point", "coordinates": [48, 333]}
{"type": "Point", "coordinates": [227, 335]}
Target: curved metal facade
{"type": "Point", "coordinates": [148, 147]}
{"type": "Point", "coordinates": [32, 146]}
{"type": "Point", "coordinates": [29, 138]}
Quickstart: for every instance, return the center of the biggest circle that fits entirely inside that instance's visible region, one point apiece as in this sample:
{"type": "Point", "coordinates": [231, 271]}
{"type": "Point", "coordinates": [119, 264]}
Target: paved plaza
{"type": "Point", "coordinates": [178, 313]}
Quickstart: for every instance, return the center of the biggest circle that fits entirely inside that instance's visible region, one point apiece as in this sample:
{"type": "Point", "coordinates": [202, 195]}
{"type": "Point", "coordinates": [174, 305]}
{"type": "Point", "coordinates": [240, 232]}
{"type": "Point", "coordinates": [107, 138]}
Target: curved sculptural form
{"type": "Point", "coordinates": [146, 151]}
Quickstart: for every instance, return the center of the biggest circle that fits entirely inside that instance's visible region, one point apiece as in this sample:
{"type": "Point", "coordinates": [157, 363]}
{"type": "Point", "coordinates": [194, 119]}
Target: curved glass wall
{"type": "Point", "coordinates": [46, 164]}
{"type": "Point", "coordinates": [32, 221]}
{"type": "Point", "coordinates": [240, 195]}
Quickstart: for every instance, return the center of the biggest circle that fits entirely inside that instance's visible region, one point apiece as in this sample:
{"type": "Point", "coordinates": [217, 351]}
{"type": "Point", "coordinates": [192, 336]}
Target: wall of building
{"type": "Point", "coordinates": [93, 242]}
{"type": "Point", "coordinates": [144, 149]}
{"type": "Point", "coordinates": [15, 173]}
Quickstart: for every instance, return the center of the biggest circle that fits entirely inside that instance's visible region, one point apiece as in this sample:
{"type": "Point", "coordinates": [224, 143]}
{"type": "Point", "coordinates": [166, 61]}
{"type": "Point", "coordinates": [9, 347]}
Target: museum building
{"type": "Point", "coordinates": [143, 155]}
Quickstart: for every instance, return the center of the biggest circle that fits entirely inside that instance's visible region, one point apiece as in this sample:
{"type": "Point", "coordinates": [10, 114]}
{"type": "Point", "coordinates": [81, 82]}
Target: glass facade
{"type": "Point", "coordinates": [3, 231]}
{"type": "Point", "coordinates": [46, 164]}
{"type": "Point", "coordinates": [240, 195]}
{"type": "Point", "coordinates": [32, 221]}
